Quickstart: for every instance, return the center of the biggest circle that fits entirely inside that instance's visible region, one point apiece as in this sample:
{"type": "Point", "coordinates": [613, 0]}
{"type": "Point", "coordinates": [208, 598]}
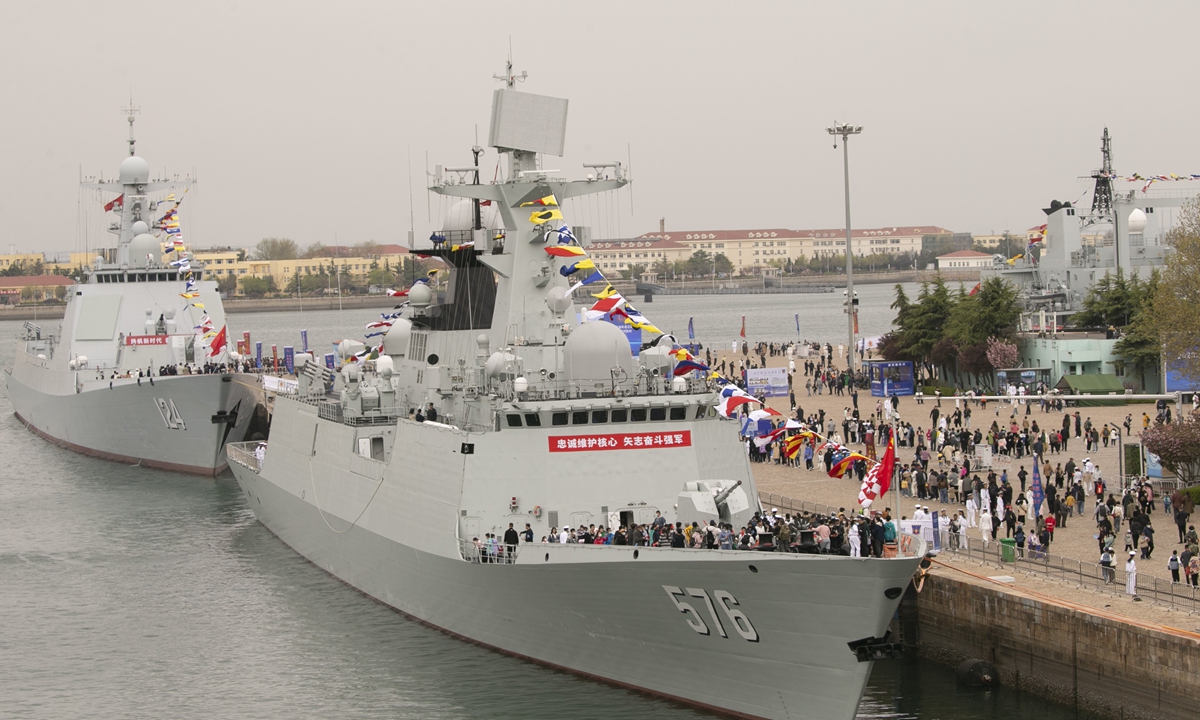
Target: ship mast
{"type": "Point", "coordinates": [131, 110]}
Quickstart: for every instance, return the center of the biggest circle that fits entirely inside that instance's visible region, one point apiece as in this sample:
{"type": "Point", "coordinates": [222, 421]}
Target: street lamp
{"type": "Point", "coordinates": [846, 131]}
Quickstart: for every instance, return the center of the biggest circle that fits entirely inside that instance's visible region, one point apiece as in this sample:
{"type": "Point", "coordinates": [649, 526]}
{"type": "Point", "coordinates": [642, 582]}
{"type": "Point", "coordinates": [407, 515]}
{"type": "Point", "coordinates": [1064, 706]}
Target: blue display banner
{"type": "Point", "coordinates": [329, 360]}
{"type": "Point", "coordinates": [258, 354]}
{"type": "Point", "coordinates": [289, 358]}
{"type": "Point", "coordinates": [304, 340]}
{"type": "Point", "coordinates": [891, 377]}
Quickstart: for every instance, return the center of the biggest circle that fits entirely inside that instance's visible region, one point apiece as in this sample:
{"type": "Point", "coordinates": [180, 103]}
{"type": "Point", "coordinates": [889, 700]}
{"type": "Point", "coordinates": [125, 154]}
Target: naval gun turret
{"type": "Point", "coordinates": [726, 503]}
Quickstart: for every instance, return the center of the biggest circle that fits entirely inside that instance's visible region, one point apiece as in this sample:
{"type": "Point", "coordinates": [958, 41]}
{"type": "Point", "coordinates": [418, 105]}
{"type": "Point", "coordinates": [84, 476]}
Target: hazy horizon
{"type": "Point", "coordinates": [298, 119]}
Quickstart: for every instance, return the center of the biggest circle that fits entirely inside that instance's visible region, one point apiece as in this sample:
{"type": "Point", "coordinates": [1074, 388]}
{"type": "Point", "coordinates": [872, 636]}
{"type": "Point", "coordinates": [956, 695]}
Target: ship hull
{"type": "Point", "coordinates": [166, 425]}
{"type": "Point", "coordinates": [607, 613]}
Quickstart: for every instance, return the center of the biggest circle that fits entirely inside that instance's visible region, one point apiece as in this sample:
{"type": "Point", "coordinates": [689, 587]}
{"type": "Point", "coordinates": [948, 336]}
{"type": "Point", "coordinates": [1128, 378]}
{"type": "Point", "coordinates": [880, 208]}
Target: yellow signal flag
{"type": "Point", "coordinates": [607, 292]}
{"type": "Point", "coordinates": [548, 201]}
{"type": "Point", "coordinates": [199, 305]}
{"type": "Point", "coordinates": [544, 216]}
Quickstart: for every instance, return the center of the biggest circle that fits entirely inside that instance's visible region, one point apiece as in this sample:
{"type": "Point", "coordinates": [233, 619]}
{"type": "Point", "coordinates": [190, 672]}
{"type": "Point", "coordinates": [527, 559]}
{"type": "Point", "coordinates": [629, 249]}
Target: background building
{"type": "Point", "coordinates": [964, 260]}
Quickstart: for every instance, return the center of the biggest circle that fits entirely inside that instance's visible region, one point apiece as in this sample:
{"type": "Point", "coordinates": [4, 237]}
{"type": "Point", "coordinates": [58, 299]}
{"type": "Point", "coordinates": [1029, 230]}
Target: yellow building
{"type": "Point", "coordinates": [751, 250]}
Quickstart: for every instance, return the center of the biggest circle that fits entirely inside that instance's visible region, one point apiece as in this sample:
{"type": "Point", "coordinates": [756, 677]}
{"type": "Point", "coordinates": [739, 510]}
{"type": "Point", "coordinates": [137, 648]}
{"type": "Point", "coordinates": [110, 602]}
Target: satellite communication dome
{"type": "Point", "coordinates": [141, 246]}
{"type": "Point", "coordinates": [460, 215]}
{"type": "Point", "coordinates": [134, 170]}
{"type": "Point", "coordinates": [139, 227]}
{"type": "Point", "coordinates": [1137, 221]}
{"type": "Point", "coordinates": [420, 295]}
{"type": "Point", "coordinates": [395, 342]}
{"type": "Point", "coordinates": [593, 351]}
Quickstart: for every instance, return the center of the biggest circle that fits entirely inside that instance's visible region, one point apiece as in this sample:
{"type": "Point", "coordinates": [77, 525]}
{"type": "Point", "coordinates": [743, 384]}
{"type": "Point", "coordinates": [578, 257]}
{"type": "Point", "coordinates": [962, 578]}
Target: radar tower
{"type": "Point", "coordinates": [1102, 194]}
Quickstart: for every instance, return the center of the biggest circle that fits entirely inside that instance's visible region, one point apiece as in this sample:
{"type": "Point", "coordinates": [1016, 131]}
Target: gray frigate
{"type": "Point", "coordinates": [95, 383]}
{"type": "Point", "coordinates": [550, 415]}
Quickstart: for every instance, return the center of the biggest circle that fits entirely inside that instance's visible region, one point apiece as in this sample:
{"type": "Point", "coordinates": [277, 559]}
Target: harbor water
{"type": "Point", "coordinates": [127, 592]}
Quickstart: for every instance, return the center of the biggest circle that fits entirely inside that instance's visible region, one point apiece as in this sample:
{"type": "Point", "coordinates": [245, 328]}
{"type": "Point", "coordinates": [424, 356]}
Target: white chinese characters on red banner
{"type": "Point", "coordinates": [620, 441]}
{"type": "Point", "coordinates": [146, 339]}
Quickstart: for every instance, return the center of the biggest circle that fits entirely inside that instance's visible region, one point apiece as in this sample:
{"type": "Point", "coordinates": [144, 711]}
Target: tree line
{"type": "Point", "coordinates": [958, 336]}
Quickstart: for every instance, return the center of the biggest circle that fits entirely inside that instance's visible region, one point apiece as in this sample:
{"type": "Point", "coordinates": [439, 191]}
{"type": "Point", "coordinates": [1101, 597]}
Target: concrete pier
{"type": "Point", "coordinates": [1072, 654]}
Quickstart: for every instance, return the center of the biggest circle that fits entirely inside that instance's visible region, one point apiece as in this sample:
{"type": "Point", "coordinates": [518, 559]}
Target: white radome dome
{"type": "Point", "coordinates": [395, 340]}
{"type": "Point", "coordinates": [592, 352]}
{"type": "Point", "coordinates": [134, 170]}
{"type": "Point", "coordinates": [461, 216]}
{"type": "Point", "coordinates": [141, 246]}
{"type": "Point", "coordinates": [420, 295]}
{"type": "Point", "coordinates": [1137, 221]}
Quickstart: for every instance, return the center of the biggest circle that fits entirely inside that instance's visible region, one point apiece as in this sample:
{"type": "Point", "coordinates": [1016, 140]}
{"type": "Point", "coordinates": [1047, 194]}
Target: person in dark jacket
{"type": "Point", "coordinates": [511, 538]}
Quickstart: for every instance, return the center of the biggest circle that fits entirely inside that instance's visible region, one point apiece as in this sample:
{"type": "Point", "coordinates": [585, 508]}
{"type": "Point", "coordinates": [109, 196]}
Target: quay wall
{"type": "Point", "coordinates": [1094, 663]}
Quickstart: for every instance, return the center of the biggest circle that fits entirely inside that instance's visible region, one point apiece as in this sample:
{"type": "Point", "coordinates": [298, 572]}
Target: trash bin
{"type": "Point", "coordinates": [1008, 550]}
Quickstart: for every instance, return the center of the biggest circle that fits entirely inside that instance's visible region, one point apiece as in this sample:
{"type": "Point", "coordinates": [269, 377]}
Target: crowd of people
{"type": "Point", "coordinates": [840, 534]}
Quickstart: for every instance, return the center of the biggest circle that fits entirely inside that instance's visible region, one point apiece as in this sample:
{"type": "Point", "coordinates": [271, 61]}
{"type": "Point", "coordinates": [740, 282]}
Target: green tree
{"type": "Point", "coordinates": [382, 277]}
{"type": "Point", "coordinates": [276, 249]}
{"type": "Point", "coordinates": [228, 283]}
{"type": "Point", "coordinates": [926, 320]}
{"type": "Point", "coordinates": [1177, 297]}
{"type": "Point", "coordinates": [724, 264]}
{"type": "Point", "coordinates": [1112, 302]}
{"type": "Point", "coordinates": [700, 264]}
{"type": "Point", "coordinates": [663, 267]}
{"type": "Point", "coordinates": [257, 287]}
{"type": "Point", "coordinates": [316, 250]}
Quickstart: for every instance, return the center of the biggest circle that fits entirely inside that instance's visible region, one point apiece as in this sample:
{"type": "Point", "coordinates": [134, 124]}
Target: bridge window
{"type": "Point", "coordinates": [638, 414]}
{"type": "Point", "coordinates": [679, 413]}
{"type": "Point", "coordinates": [599, 417]}
{"type": "Point", "coordinates": [533, 420]}
{"type": "Point", "coordinates": [620, 416]}
{"type": "Point", "coordinates": [558, 418]}
{"type": "Point", "coordinates": [657, 414]}
{"type": "Point", "coordinates": [514, 420]}
{"type": "Point", "coordinates": [579, 417]}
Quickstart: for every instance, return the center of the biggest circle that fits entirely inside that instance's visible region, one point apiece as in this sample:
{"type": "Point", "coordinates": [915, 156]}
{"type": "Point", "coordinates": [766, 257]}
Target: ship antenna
{"type": "Point", "coordinates": [130, 111]}
{"type": "Point", "coordinates": [510, 80]}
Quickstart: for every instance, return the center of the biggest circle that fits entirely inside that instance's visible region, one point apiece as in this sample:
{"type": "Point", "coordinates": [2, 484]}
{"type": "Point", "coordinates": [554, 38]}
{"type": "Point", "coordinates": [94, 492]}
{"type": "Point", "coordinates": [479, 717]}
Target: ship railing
{"type": "Point", "coordinates": [334, 411]}
{"type": "Point", "coordinates": [247, 454]}
{"type": "Point", "coordinates": [1068, 572]}
{"type": "Point", "coordinates": [482, 553]}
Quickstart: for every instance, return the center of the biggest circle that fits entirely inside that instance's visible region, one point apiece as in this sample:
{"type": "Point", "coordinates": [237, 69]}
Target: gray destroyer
{"type": "Point", "coordinates": [546, 416]}
{"type": "Point", "coordinates": [93, 384]}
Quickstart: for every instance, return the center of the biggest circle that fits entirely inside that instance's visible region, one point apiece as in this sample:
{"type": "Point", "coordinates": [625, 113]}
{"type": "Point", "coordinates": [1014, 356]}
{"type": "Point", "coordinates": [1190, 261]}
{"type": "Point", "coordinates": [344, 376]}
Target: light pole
{"type": "Point", "coordinates": [846, 131]}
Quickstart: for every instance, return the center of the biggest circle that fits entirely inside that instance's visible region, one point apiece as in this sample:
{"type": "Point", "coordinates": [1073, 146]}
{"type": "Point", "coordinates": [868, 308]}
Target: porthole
{"type": "Point", "coordinates": [432, 359]}
{"type": "Point", "coordinates": [635, 554]}
{"type": "Point", "coordinates": [753, 569]}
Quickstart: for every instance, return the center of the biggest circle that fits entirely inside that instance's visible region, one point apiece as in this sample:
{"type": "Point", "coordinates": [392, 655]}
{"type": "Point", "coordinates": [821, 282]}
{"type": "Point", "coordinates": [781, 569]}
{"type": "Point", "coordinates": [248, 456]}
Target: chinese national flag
{"type": "Point", "coordinates": [218, 343]}
{"type": "Point", "coordinates": [116, 202]}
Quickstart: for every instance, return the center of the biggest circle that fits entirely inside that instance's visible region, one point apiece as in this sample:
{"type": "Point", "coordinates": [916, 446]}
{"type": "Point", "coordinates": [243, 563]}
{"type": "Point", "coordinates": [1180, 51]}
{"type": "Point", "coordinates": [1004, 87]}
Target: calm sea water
{"type": "Point", "coordinates": [134, 593]}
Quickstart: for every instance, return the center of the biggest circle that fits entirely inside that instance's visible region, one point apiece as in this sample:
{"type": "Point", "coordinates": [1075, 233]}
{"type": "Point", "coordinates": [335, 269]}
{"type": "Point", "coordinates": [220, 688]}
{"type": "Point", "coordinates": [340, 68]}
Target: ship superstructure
{"type": "Point", "coordinates": [123, 376]}
{"type": "Point", "coordinates": [549, 413]}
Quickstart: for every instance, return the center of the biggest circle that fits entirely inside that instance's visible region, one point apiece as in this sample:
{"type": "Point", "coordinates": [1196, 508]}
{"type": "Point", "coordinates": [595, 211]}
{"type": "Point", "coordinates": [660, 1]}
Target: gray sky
{"type": "Point", "coordinates": [298, 117]}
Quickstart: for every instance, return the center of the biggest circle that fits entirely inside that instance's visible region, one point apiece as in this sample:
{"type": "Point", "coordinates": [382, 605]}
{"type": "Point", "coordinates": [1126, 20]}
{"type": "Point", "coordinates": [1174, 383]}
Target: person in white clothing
{"type": "Point", "coordinates": [855, 541]}
{"type": "Point", "coordinates": [564, 536]}
{"type": "Point", "coordinates": [985, 528]}
{"type": "Point", "coordinates": [972, 509]}
{"type": "Point", "coordinates": [1131, 575]}
{"type": "Point", "coordinates": [962, 531]}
